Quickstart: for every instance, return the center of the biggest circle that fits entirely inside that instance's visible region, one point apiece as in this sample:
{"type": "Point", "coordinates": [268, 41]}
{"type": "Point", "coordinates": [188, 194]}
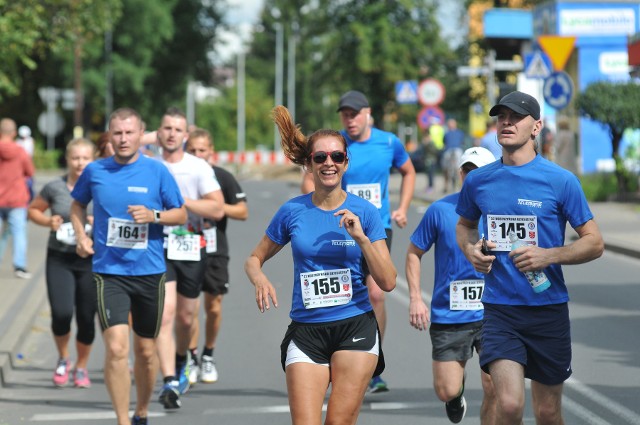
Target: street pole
{"type": "Point", "coordinates": [279, 78]}
{"type": "Point", "coordinates": [291, 70]}
{"type": "Point", "coordinates": [241, 104]}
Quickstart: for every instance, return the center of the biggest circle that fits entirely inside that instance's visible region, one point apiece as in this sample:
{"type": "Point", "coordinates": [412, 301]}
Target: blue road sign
{"type": "Point", "coordinates": [537, 65]}
{"type": "Point", "coordinates": [558, 89]}
{"type": "Point", "coordinates": [407, 92]}
{"type": "Point", "coordinates": [427, 114]}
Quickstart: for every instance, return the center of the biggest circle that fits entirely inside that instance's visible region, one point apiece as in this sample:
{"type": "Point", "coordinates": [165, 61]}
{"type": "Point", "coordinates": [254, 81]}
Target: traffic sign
{"type": "Point", "coordinates": [558, 90]}
{"type": "Point", "coordinates": [558, 48]}
{"type": "Point", "coordinates": [431, 92]}
{"type": "Point", "coordinates": [407, 92]}
{"type": "Point", "coordinates": [537, 65]}
{"type": "Point", "coordinates": [50, 123]}
{"type": "Point", "coordinates": [427, 114]}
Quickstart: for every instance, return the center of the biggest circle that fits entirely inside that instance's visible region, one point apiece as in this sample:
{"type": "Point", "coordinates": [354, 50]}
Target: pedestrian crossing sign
{"type": "Point", "coordinates": [537, 65]}
{"type": "Point", "coordinates": [407, 92]}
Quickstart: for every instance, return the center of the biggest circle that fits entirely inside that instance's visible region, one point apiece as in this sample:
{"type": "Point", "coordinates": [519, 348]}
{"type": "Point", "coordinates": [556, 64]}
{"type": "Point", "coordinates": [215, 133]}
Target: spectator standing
{"type": "Point", "coordinates": [133, 197]}
{"type": "Point", "coordinates": [526, 334]}
{"type": "Point", "coordinates": [15, 168]}
{"type": "Point", "coordinates": [70, 286]}
{"type": "Point", "coordinates": [25, 140]}
{"type": "Point", "coordinates": [453, 145]}
{"type": "Point", "coordinates": [374, 152]}
{"type": "Point", "coordinates": [216, 277]}
{"type": "Point", "coordinates": [331, 339]}
{"type": "Point", "coordinates": [456, 310]}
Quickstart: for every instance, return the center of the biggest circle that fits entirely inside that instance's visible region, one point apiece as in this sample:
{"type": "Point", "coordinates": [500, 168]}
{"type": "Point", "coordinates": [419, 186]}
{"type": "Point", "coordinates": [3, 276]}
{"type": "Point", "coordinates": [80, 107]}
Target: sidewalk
{"type": "Point", "coordinates": [21, 300]}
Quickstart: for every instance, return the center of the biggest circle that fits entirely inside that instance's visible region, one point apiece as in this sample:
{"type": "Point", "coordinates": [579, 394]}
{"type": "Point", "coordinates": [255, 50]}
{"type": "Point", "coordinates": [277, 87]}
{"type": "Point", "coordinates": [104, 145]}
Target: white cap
{"type": "Point", "coordinates": [477, 156]}
{"type": "Point", "coordinates": [24, 131]}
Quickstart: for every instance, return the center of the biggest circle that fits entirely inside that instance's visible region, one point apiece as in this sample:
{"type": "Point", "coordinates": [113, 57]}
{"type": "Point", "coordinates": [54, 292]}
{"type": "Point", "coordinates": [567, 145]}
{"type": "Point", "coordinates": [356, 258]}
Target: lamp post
{"type": "Point", "coordinates": [279, 77]}
{"type": "Point", "coordinates": [291, 69]}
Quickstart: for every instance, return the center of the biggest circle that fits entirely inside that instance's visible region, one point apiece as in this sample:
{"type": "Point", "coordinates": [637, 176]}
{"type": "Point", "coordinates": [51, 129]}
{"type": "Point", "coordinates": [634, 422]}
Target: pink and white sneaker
{"type": "Point", "coordinates": [81, 378]}
{"type": "Point", "coordinates": [61, 374]}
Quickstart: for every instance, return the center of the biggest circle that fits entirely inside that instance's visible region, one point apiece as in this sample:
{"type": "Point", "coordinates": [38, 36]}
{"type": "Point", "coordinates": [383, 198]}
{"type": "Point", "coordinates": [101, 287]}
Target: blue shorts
{"type": "Point", "coordinates": [539, 338]}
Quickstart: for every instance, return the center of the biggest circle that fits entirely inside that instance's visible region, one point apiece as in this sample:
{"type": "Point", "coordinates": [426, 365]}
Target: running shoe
{"type": "Point", "coordinates": [61, 374]}
{"type": "Point", "coordinates": [169, 396]}
{"type": "Point", "coordinates": [457, 408]}
{"type": "Point", "coordinates": [194, 371]}
{"type": "Point", "coordinates": [22, 273]}
{"type": "Point", "coordinates": [377, 385]}
{"type": "Point", "coordinates": [81, 378]}
{"type": "Point", "coordinates": [209, 373]}
{"type": "Point", "coordinates": [183, 377]}
{"type": "Point", "coordinates": [137, 420]}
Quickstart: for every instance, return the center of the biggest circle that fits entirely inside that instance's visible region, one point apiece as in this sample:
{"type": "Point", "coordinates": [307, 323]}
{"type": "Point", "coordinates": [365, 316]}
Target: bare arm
{"type": "Point", "coordinates": [418, 310]}
{"type": "Point", "coordinates": [265, 249]}
{"type": "Point", "coordinates": [36, 213]}
{"type": "Point", "coordinates": [406, 193]}
{"type": "Point", "coordinates": [376, 254]}
{"type": "Point", "coordinates": [307, 185]}
{"type": "Point", "coordinates": [171, 217]}
{"type": "Point", "coordinates": [78, 213]}
{"type": "Point", "coordinates": [239, 211]}
{"type": "Point", "coordinates": [588, 247]}
{"type": "Point", "coordinates": [211, 205]}
{"type": "Point", "coordinates": [471, 245]}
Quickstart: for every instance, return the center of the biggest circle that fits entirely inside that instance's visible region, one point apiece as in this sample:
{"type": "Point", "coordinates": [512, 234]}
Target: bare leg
{"type": "Point", "coordinates": [116, 370]}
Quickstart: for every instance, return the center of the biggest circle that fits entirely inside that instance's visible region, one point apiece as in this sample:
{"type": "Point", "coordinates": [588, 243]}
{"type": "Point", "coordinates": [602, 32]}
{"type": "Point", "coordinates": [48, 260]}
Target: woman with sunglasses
{"type": "Point", "coordinates": [333, 336]}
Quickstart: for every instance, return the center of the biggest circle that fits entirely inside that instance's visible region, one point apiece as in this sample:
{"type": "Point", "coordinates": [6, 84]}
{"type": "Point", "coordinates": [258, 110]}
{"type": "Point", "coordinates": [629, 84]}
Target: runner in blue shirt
{"type": "Point", "coordinates": [133, 197]}
{"type": "Point", "coordinates": [526, 334]}
{"type": "Point", "coordinates": [456, 310]}
{"type": "Point", "coordinates": [333, 337]}
{"type": "Point", "coordinates": [373, 153]}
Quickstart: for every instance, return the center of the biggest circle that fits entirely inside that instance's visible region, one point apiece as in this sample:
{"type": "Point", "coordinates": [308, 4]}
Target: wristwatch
{"type": "Point", "coordinates": [156, 216]}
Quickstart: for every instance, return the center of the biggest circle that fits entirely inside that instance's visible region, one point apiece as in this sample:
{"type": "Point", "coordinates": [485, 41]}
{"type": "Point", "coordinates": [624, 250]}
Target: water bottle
{"type": "Point", "coordinates": [537, 279]}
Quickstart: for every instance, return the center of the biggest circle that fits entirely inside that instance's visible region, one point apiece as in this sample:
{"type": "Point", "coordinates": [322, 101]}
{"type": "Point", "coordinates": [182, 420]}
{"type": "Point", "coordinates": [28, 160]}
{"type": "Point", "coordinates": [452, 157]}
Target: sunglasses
{"type": "Point", "coordinates": [320, 157]}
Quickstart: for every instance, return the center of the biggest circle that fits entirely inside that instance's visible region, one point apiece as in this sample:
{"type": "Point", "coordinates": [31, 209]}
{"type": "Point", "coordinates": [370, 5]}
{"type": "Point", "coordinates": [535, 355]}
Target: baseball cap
{"type": "Point", "coordinates": [477, 156]}
{"type": "Point", "coordinates": [519, 102]}
{"type": "Point", "coordinates": [353, 99]}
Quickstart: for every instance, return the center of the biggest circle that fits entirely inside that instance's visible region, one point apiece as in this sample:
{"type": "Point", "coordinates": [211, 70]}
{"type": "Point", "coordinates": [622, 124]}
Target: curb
{"type": "Point", "coordinates": [16, 323]}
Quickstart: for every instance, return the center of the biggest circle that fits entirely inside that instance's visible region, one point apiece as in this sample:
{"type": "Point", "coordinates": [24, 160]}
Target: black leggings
{"type": "Point", "coordinates": [70, 286]}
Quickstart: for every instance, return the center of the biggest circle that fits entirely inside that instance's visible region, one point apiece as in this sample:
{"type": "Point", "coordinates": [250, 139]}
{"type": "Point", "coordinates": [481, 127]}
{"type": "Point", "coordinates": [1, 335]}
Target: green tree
{"type": "Point", "coordinates": [615, 106]}
{"type": "Point", "coordinates": [359, 44]}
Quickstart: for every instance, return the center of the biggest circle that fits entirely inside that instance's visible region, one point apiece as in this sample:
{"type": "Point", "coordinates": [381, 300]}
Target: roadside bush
{"type": "Point", "coordinates": [44, 159]}
{"type": "Point", "coordinates": [602, 187]}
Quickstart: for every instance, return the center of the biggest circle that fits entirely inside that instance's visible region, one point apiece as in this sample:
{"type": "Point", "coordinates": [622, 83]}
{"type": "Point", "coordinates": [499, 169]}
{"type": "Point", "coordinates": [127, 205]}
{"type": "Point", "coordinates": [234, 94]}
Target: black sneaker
{"type": "Point", "coordinates": [170, 396]}
{"type": "Point", "coordinates": [22, 273]}
{"type": "Point", "coordinates": [137, 420]}
{"type": "Point", "coordinates": [457, 407]}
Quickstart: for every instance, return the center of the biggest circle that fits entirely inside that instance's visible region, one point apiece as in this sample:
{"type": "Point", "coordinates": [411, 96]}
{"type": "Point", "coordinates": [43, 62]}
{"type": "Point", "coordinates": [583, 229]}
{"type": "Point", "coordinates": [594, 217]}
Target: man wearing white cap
{"type": "Point", "coordinates": [456, 310]}
{"type": "Point", "coordinates": [526, 332]}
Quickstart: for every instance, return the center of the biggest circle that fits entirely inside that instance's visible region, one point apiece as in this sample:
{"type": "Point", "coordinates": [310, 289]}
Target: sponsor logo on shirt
{"type": "Point", "coordinates": [530, 203]}
{"type": "Point", "coordinates": [343, 243]}
{"type": "Point", "coordinates": [138, 189]}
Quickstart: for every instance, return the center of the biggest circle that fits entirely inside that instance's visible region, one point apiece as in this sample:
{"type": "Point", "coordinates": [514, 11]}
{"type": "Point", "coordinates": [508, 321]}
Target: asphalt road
{"type": "Point", "coordinates": [604, 389]}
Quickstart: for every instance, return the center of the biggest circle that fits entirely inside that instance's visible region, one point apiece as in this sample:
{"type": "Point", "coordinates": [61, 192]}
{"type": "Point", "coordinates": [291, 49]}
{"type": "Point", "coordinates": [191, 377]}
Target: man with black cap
{"type": "Point", "coordinates": [526, 333]}
{"type": "Point", "coordinates": [372, 153]}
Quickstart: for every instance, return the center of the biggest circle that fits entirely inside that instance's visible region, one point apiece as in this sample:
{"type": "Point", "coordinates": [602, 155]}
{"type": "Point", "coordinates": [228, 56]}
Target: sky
{"type": "Point", "coordinates": [243, 14]}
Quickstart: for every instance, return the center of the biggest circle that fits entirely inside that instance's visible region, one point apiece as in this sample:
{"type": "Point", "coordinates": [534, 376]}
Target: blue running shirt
{"type": "Point", "coordinates": [319, 244]}
{"type": "Point", "coordinates": [113, 187]}
{"type": "Point", "coordinates": [536, 200]}
{"type": "Point", "coordinates": [438, 226]}
{"type": "Point", "coordinates": [370, 163]}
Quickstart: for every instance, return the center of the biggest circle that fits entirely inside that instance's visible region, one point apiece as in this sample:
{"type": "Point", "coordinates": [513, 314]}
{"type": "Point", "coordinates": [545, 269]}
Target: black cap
{"type": "Point", "coordinates": [520, 103]}
{"type": "Point", "coordinates": [353, 99]}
